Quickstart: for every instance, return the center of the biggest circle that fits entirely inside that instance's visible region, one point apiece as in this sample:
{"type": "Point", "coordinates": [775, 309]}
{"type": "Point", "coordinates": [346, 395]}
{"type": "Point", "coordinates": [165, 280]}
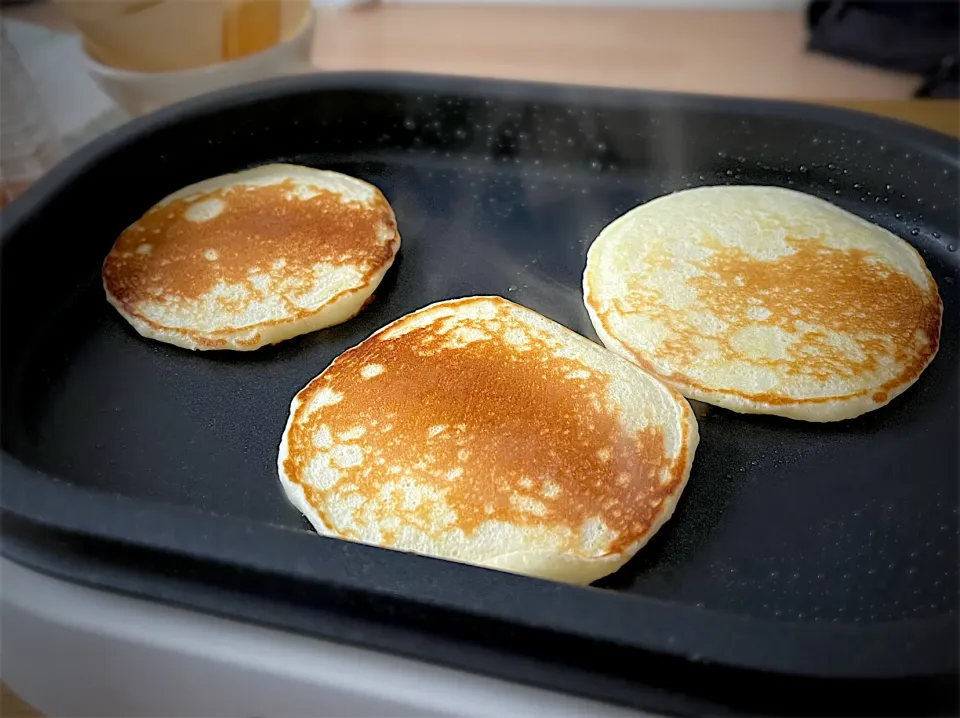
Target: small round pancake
{"type": "Point", "coordinates": [764, 300]}
{"type": "Point", "coordinates": [478, 431]}
{"type": "Point", "coordinates": [252, 258]}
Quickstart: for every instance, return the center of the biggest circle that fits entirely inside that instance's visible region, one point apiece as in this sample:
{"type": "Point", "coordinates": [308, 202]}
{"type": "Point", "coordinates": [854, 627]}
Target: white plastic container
{"type": "Point", "coordinates": [142, 92]}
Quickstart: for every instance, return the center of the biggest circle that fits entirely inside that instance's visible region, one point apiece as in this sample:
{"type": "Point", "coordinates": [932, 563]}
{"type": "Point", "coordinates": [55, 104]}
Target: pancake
{"type": "Point", "coordinates": [478, 431]}
{"type": "Point", "coordinates": [764, 300]}
{"type": "Point", "coordinates": [252, 258]}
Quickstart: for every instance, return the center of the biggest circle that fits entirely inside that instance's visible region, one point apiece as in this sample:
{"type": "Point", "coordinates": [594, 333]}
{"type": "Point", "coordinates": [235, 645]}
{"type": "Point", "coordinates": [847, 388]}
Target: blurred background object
{"type": "Point", "coordinates": [29, 143]}
{"type": "Point", "coordinates": [917, 37]}
{"type": "Point", "coordinates": [71, 100]}
{"type": "Point", "coordinates": [174, 35]}
{"type": "Point", "coordinates": [236, 42]}
{"type": "Point", "coordinates": [149, 53]}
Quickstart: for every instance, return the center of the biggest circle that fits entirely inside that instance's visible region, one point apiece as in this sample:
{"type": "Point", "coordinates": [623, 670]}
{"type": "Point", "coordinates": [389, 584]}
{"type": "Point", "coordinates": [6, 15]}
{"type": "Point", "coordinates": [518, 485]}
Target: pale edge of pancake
{"type": "Point", "coordinates": [344, 306]}
{"type": "Point", "coordinates": [336, 311]}
{"type": "Point", "coordinates": [539, 564]}
{"type": "Point", "coordinates": [834, 409]}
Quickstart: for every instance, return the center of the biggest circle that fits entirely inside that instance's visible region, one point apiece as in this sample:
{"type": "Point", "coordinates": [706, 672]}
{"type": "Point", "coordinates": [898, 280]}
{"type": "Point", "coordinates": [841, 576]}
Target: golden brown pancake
{"type": "Point", "coordinates": [252, 258]}
{"type": "Point", "coordinates": [764, 300]}
{"type": "Point", "coordinates": [477, 430]}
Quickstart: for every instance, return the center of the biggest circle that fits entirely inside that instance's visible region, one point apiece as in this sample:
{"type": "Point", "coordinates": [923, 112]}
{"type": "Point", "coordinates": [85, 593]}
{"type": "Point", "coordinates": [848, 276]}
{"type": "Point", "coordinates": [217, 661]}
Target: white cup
{"type": "Point", "coordinates": [141, 92]}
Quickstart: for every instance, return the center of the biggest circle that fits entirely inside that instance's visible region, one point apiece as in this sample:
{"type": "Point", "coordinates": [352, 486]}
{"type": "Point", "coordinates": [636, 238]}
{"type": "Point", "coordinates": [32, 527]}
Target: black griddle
{"type": "Point", "coordinates": [808, 568]}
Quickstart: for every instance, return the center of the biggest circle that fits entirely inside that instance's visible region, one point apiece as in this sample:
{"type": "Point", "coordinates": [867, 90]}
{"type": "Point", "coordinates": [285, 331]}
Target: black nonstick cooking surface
{"type": "Point", "coordinates": [797, 552]}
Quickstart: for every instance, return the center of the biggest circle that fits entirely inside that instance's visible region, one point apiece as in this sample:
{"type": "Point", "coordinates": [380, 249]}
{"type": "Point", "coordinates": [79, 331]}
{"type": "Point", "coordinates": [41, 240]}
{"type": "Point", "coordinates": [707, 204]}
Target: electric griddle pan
{"type": "Point", "coordinates": [808, 568]}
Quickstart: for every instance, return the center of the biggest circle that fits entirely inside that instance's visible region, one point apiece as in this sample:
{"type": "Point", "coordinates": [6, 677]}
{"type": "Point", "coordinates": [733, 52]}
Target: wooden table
{"type": "Point", "coordinates": [746, 53]}
{"type": "Point", "coordinates": [749, 53]}
{"type": "Point", "coordinates": [757, 54]}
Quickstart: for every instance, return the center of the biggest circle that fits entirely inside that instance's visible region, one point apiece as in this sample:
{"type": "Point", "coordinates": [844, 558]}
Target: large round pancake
{"type": "Point", "coordinates": [764, 300]}
{"type": "Point", "coordinates": [477, 430]}
{"type": "Point", "coordinates": [252, 258]}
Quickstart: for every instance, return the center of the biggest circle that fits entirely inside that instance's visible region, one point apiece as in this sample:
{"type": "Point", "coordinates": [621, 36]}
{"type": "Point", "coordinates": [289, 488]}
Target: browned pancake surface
{"type": "Point", "coordinates": [503, 432]}
{"type": "Point", "coordinates": [849, 292]}
{"type": "Point", "coordinates": [165, 254]}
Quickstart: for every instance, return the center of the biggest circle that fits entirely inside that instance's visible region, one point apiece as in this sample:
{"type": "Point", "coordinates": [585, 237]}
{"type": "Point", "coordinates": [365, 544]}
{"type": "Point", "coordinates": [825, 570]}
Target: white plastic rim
{"type": "Point", "coordinates": [72, 650]}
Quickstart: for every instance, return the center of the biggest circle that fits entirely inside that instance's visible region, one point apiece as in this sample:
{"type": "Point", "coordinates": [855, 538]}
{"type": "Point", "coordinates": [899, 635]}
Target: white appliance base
{"type": "Point", "coordinates": [75, 651]}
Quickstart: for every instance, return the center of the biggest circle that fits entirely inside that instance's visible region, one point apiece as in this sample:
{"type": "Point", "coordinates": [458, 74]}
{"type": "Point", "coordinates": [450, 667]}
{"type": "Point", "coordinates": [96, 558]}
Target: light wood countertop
{"type": "Point", "coordinates": [745, 53]}
{"type": "Point", "coordinates": [758, 54]}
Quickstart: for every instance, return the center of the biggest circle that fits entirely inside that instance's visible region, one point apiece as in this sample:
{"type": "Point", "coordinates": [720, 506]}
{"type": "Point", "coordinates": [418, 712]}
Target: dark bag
{"type": "Point", "coordinates": [915, 37]}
